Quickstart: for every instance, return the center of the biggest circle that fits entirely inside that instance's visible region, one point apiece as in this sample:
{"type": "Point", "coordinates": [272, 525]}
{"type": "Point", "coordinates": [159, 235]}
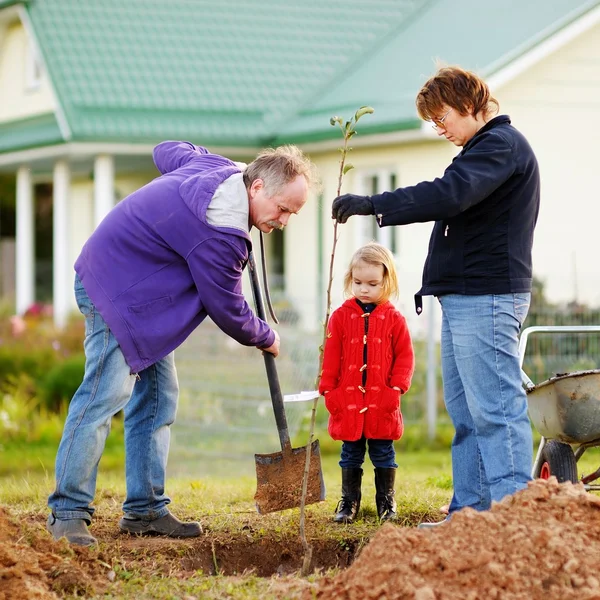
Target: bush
{"type": "Point", "coordinates": [61, 382]}
{"type": "Point", "coordinates": [17, 359]}
{"type": "Point", "coordinates": [49, 359]}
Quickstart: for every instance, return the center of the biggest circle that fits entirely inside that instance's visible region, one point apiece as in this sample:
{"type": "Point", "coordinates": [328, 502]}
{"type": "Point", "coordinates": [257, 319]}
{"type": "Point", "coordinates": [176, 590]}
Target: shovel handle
{"type": "Point", "coordinates": [272, 376]}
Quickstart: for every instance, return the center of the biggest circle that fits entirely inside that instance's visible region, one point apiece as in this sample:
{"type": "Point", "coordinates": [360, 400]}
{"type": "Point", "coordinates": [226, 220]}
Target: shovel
{"type": "Point", "coordinates": [279, 475]}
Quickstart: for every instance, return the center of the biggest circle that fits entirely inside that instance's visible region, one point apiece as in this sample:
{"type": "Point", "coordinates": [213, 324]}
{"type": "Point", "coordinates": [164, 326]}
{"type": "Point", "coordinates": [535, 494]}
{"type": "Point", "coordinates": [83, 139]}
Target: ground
{"type": "Point", "coordinates": [542, 543]}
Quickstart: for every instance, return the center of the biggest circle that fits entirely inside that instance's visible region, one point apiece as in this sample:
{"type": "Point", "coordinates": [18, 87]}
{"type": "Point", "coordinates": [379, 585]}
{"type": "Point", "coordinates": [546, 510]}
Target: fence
{"type": "Point", "coordinates": [225, 413]}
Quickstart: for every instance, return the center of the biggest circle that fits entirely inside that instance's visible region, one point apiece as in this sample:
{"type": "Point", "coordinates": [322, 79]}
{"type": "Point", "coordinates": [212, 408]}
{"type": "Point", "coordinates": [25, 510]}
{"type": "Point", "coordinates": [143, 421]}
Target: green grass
{"type": "Point", "coordinates": [225, 503]}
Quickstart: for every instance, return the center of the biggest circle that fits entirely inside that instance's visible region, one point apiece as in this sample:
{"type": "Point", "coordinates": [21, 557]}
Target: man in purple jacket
{"type": "Point", "coordinates": [165, 258]}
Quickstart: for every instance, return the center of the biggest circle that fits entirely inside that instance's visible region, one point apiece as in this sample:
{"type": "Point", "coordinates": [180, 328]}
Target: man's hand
{"type": "Point", "coordinates": [350, 204]}
{"type": "Point", "coordinates": [274, 348]}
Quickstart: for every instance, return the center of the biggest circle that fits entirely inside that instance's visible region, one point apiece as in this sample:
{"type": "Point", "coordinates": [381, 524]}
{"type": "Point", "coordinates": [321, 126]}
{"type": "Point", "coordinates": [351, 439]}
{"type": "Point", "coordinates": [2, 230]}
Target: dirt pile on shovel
{"type": "Point", "coordinates": [33, 567]}
{"type": "Point", "coordinates": [543, 543]}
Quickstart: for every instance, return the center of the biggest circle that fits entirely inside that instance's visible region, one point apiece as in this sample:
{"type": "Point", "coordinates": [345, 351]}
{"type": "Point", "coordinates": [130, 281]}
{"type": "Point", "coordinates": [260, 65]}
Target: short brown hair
{"type": "Point", "coordinates": [374, 254]}
{"type": "Point", "coordinates": [278, 166]}
{"type": "Point", "coordinates": [461, 90]}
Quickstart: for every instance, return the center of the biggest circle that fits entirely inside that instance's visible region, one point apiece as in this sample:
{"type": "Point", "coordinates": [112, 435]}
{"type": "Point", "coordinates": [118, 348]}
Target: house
{"type": "Point", "coordinates": [87, 88]}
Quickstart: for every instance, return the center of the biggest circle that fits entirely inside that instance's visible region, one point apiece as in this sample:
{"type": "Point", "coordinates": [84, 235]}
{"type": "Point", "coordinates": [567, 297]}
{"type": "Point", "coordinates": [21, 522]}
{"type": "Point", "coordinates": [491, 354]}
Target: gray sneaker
{"type": "Point", "coordinates": [432, 525]}
{"type": "Point", "coordinates": [74, 530]}
{"type": "Point", "coordinates": [168, 526]}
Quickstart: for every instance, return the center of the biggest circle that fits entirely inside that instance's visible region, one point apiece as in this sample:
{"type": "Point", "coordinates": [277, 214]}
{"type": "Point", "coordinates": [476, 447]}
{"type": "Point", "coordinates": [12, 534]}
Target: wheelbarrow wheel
{"type": "Point", "coordinates": [558, 460]}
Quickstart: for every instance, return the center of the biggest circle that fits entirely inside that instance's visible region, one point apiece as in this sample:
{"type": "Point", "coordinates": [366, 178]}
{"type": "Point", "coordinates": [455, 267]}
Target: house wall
{"type": "Point", "coordinates": [18, 99]}
{"type": "Point", "coordinates": [411, 163]}
{"type": "Point", "coordinates": [81, 211]}
{"type": "Point", "coordinates": [556, 104]}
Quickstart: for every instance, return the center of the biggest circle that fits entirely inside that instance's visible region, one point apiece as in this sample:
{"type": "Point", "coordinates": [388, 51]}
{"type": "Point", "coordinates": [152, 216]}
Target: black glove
{"type": "Point", "coordinates": [350, 204]}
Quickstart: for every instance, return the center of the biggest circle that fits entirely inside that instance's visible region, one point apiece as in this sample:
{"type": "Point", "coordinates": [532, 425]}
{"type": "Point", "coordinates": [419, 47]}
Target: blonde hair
{"type": "Point", "coordinates": [374, 254]}
{"type": "Point", "coordinates": [464, 91]}
{"type": "Point", "coordinates": [279, 166]}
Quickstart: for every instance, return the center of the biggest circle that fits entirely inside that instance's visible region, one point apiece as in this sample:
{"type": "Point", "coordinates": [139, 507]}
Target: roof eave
{"type": "Point", "coordinates": [508, 67]}
{"type": "Point", "coordinates": [7, 3]}
{"type": "Point", "coordinates": [364, 131]}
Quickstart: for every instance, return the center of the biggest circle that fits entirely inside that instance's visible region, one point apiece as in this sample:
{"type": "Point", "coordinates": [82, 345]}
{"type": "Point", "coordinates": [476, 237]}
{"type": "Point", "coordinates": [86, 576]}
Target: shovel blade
{"type": "Point", "coordinates": [279, 479]}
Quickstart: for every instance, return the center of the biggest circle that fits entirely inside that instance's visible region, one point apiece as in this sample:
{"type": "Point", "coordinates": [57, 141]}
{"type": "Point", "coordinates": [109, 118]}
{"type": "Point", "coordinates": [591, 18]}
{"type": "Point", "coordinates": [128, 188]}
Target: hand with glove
{"type": "Point", "coordinates": [350, 204]}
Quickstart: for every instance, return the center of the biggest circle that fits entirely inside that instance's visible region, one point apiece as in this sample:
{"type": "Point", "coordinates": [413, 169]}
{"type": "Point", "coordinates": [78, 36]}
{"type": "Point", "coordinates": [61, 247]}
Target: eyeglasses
{"type": "Point", "coordinates": [439, 123]}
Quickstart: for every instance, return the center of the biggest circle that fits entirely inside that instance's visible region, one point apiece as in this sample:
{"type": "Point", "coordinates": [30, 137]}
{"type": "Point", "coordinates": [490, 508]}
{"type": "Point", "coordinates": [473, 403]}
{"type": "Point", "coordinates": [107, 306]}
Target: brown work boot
{"type": "Point", "coordinates": [74, 530]}
{"type": "Point", "coordinates": [168, 526]}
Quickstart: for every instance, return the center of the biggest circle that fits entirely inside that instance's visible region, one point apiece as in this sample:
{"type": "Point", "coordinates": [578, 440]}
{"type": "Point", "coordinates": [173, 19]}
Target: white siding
{"type": "Point", "coordinates": [556, 104]}
{"type": "Point", "coordinates": [411, 163]}
{"type": "Point", "coordinates": [18, 100]}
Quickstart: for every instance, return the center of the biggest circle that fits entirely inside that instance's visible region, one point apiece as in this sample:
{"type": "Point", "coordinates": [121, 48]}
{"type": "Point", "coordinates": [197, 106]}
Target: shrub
{"type": "Point", "coordinates": [61, 382]}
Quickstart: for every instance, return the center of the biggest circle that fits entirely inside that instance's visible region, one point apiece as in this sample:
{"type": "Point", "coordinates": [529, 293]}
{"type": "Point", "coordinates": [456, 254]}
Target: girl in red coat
{"type": "Point", "coordinates": [368, 362]}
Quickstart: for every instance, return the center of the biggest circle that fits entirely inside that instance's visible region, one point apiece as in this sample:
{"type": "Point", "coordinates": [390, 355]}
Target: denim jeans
{"type": "Point", "coordinates": [492, 449]}
{"type": "Point", "coordinates": [381, 453]}
{"type": "Point", "coordinates": [149, 403]}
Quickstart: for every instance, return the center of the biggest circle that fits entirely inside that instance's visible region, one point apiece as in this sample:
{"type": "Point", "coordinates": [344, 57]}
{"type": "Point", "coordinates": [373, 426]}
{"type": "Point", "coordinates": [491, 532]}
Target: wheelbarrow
{"type": "Point", "coordinates": [565, 410]}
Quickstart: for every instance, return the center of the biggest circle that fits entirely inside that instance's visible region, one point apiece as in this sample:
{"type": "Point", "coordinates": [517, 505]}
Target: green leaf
{"type": "Point", "coordinates": [335, 120]}
{"type": "Point", "coordinates": [363, 110]}
{"type": "Point", "coordinates": [347, 168]}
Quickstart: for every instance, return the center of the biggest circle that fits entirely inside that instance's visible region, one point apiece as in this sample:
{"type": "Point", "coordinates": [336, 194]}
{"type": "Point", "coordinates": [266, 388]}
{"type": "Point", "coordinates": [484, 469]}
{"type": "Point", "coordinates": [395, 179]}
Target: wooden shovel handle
{"type": "Point", "coordinates": [272, 376]}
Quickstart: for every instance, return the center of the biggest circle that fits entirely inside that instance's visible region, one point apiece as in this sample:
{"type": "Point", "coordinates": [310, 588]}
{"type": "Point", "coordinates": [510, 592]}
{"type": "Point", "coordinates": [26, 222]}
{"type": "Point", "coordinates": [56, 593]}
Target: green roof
{"type": "Point", "coordinates": [228, 72]}
{"type": "Point", "coordinates": [41, 130]}
{"type": "Point", "coordinates": [253, 72]}
{"type": "Point", "coordinates": [455, 32]}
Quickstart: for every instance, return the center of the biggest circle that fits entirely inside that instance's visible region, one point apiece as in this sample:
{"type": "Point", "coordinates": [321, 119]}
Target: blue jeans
{"type": "Point", "coordinates": [492, 446]}
{"type": "Point", "coordinates": [149, 402]}
{"type": "Point", "coordinates": [381, 453]}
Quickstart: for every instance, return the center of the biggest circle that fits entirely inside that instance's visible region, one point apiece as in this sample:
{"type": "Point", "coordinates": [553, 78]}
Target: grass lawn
{"type": "Point", "coordinates": [226, 562]}
{"type": "Point", "coordinates": [155, 568]}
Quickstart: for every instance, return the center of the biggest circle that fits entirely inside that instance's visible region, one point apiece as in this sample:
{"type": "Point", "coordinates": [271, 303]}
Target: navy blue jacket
{"type": "Point", "coordinates": [485, 207]}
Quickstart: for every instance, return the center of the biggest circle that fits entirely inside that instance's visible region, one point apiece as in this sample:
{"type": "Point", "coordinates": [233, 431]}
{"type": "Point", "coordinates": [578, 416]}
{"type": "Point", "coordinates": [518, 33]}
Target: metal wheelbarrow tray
{"type": "Point", "coordinates": [565, 409]}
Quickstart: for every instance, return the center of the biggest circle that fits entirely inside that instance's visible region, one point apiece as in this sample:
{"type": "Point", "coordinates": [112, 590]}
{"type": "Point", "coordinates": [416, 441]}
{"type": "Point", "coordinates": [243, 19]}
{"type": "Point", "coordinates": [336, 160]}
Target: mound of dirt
{"type": "Point", "coordinates": [541, 543]}
{"type": "Point", "coordinates": [34, 567]}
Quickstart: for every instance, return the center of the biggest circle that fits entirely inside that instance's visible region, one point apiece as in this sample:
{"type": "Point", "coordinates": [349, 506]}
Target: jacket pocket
{"type": "Point", "coordinates": [333, 401]}
{"type": "Point", "coordinates": [151, 306]}
{"type": "Point", "coordinates": [385, 422]}
{"type": "Point", "coordinates": [150, 326]}
{"type": "Point", "coordinates": [390, 400]}
{"type": "Point", "coordinates": [343, 409]}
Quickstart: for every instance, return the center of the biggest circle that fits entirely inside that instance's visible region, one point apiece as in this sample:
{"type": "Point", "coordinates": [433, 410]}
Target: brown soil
{"type": "Point", "coordinates": [33, 566]}
{"type": "Point", "coordinates": [280, 475]}
{"type": "Point", "coordinates": [543, 543]}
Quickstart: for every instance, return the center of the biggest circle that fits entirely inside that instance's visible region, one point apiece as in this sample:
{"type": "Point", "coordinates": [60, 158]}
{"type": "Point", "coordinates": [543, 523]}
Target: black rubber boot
{"type": "Point", "coordinates": [385, 494]}
{"type": "Point", "coordinates": [349, 505]}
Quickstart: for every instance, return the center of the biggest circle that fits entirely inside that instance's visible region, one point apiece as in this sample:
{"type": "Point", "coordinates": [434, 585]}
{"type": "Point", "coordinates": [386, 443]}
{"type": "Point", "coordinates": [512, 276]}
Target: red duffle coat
{"type": "Point", "coordinates": [372, 410]}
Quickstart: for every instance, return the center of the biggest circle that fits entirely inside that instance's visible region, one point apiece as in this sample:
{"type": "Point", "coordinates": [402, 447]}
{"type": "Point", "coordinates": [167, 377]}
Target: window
{"type": "Point", "coordinates": [33, 75]}
{"type": "Point", "coordinates": [374, 182]}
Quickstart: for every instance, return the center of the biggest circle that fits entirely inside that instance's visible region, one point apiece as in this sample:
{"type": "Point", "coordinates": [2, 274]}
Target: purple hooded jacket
{"type": "Point", "coordinates": [156, 267]}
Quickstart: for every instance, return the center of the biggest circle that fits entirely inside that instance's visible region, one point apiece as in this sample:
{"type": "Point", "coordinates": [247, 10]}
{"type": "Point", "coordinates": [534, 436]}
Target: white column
{"type": "Point", "coordinates": [61, 268]}
{"type": "Point", "coordinates": [25, 261]}
{"type": "Point", "coordinates": [104, 186]}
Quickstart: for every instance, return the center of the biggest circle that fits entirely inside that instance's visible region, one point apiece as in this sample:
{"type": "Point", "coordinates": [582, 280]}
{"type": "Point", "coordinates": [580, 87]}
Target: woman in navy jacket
{"type": "Point", "coordinates": [479, 266]}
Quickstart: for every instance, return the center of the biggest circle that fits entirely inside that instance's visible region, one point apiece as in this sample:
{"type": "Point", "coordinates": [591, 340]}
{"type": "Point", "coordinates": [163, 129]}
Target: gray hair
{"type": "Point", "coordinates": [279, 166]}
